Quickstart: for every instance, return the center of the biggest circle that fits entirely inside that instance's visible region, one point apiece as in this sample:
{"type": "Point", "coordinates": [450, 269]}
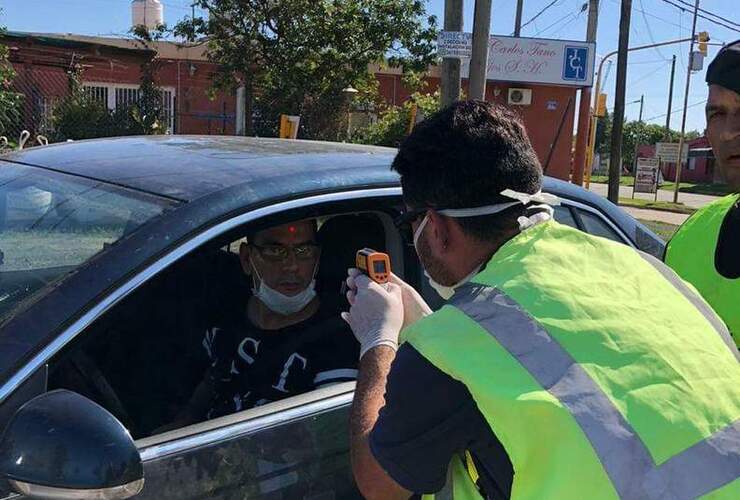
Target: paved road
{"type": "Point", "coordinates": [688, 199]}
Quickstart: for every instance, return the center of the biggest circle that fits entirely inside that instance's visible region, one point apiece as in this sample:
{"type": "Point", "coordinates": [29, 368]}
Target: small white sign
{"type": "Point", "coordinates": [646, 175]}
{"type": "Point", "coordinates": [455, 44]}
{"type": "Point", "coordinates": [668, 152]}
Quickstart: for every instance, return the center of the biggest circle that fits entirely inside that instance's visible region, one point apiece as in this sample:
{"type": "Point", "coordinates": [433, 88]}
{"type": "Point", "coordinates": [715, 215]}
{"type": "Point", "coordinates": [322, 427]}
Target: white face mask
{"type": "Point", "coordinates": [444, 291]}
{"type": "Point", "coordinates": [279, 302]}
{"type": "Point", "coordinates": [545, 201]}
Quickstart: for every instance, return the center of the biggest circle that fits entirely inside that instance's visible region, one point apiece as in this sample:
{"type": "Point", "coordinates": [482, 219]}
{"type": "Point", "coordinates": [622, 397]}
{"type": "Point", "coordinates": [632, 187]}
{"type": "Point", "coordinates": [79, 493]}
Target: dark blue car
{"type": "Point", "coordinates": [117, 254]}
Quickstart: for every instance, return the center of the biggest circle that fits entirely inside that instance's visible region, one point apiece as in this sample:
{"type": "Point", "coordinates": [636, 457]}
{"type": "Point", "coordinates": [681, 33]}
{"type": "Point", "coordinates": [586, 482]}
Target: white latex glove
{"type": "Point", "coordinates": [376, 312]}
{"type": "Point", "coordinates": [414, 307]}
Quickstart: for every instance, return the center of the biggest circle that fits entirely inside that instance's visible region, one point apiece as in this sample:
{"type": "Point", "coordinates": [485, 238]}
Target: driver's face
{"type": "Point", "coordinates": [723, 131]}
{"type": "Point", "coordinates": [285, 256]}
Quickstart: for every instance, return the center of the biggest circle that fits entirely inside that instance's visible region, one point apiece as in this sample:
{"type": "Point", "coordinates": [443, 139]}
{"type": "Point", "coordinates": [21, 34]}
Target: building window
{"type": "Point", "coordinates": [126, 97]}
{"type": "Point", "coordinates": [692, 163]}
{"type": "Point", "coordinates": [118, 96]}
{"type": "Point", "coordinates": [96, 93]}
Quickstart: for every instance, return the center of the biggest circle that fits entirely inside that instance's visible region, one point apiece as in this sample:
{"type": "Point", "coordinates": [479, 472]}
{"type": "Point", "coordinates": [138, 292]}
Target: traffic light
{"type": "Point", "coordinates": [703, 38]}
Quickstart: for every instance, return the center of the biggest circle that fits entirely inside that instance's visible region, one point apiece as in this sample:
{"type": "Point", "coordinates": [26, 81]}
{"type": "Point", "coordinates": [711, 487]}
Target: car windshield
{"type": "Point", "coordinates": [52, 223]}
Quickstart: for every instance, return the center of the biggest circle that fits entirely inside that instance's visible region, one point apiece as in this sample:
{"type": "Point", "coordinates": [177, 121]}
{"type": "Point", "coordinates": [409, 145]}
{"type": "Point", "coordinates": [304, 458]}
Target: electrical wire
{"type": "Point", "coordinates": [675, 111]}
{"type": "Point", "coordinates": [650, 31]}
{"type": "Point", "coordinates": [539, 13]}
{"type": "Point", "coordinates": [709, 13]}
{"type": "Point", "coordinates": [685, 9]}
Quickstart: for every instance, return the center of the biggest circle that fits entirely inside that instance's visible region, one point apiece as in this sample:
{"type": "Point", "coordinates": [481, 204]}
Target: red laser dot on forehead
{"type": "Point", "coordinates": [291, 229]}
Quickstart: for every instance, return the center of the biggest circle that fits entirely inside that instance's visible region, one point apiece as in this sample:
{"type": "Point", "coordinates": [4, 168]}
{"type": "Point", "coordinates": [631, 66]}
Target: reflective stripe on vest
{"type": "Point", "coordinates": [691, 252]}
{"type": "Point", "coordinates": [601, 372]}
{"type": "Point", "coordinates": [700, 469]}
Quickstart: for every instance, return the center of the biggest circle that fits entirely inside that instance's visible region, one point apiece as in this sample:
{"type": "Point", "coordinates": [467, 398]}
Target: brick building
{"type": "Point", "coordinates": [112, 73]}
{"type": "Point", "coordinates": [700, 167]}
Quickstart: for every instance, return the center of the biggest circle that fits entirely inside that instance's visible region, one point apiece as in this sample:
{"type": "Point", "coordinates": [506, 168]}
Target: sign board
{"type": "Point", "coordinates": [667, 152]}
{"type": "Point", "coordinates": [538, 60]}
{"type": "Point", "coordinates": [455, 44]}
{"type": "Point", "coordinates": [646, 175]}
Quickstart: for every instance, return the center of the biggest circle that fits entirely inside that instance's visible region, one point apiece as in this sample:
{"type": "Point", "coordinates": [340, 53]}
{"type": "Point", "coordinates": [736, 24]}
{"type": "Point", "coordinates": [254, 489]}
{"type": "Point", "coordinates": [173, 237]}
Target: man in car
{"type": "Point", "coordinates": [283, 342]}
{"type": "Point", "coordinates": [706, 249]}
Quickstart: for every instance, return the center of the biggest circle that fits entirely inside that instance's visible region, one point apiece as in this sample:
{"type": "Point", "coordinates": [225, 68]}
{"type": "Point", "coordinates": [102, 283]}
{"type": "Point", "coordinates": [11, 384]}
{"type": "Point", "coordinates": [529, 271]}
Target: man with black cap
{"type": "Point", "coordinates": [706, 249]}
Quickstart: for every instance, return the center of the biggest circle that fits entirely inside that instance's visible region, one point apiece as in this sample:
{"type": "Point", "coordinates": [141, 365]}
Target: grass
{"type": "Point", "coordinates": [685, 187]}
{"type": "Point", "coordinates": [666, 206]}
{"type": "Point", "coordinates": [662, 229]}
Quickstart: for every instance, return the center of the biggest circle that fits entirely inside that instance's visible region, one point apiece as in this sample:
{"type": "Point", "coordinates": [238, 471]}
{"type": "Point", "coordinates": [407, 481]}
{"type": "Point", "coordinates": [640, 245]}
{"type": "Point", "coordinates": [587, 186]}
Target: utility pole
{"type": "Point", "coordinates": [518, 21]}
{"type": "Point", "coordinates": [581, 159]}
{"type": "Point", "coordinates": [479, 56]}
{"type": "Point", "coordinates": [615, 161]}
{"type": "Point", "coordinates": [685, 104]}
{"type": "Point", "coordinates": [450, 72]}
{"type": "Point", "coordinates": [670, 101]}
{"type": "Point", "coordinates": [642, 103]}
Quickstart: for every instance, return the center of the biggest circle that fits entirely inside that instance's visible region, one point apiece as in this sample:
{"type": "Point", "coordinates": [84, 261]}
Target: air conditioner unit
{"type": "Point", "coordinates": [520, 97]}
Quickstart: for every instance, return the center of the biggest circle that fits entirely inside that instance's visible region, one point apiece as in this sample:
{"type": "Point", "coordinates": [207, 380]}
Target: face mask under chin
{"type": "Point", "coordinates": [279, 302]}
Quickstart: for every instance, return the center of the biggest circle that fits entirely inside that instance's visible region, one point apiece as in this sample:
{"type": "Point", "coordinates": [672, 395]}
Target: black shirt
{"type": "Point", "coordinates": [251, 366]}
{"type": "Point", "coordinates": [727, 256]}
{"type": "Point", "coordinates": [419, 431]}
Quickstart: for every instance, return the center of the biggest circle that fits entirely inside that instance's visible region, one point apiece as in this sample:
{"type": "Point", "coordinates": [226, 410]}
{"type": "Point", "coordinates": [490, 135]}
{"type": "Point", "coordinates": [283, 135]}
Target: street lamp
{"type": "Point", "coordinates": [349, 93]}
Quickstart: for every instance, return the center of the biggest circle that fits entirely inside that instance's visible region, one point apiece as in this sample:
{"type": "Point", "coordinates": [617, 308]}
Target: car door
{"type": "Point", "coordinates": [295, 448]}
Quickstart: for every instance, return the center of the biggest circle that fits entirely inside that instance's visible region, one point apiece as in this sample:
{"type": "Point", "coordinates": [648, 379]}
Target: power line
{"type": "Point", "coordinates": [710, 13]}
{"type": "Point", "coordinates": [684, 9]}
{"type": "Point", "coordinates": [650, 31]}
{"type": "Point", "coordinates": [540, 13]}
{"type": "Point", "coordinates": [676, 111]}
{"type": "Point", "coordinates": [652, 15]}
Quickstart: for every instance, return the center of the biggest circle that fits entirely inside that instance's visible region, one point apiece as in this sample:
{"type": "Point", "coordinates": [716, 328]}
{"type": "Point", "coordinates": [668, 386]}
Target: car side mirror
{"type": "Point", "coordinates": [62, 445]}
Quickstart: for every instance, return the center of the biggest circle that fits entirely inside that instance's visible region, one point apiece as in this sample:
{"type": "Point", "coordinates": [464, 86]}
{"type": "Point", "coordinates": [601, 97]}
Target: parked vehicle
{"type": "Point", "coordinates": [116, 254]}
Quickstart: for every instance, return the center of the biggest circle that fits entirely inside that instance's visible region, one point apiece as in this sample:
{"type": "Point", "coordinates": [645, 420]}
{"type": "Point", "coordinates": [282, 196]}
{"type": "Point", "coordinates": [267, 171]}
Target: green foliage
{"type": "Point", "coordinates": [634, 133]}
{"type": "Point", "coordinates": [296, 56]}
{"type": "Point", "coordinates": [394, 121]}
{"type": "Point", "coordinates": [10, 101]}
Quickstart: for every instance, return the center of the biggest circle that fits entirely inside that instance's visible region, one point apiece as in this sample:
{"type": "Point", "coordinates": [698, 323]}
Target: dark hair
{"type": "Point", "coordinates": [464, 156]}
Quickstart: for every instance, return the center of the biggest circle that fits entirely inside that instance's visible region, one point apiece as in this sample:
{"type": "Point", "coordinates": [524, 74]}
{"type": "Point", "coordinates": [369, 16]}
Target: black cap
{"type": "Point", "coordinates": [725, 68]}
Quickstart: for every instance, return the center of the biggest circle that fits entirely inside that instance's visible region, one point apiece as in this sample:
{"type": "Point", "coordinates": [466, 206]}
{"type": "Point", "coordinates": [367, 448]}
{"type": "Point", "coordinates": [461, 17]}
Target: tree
{"type": "Point", "coordinates": [296, 56]}
{"type": "Point", "coordinates": [10, 101]}
{"type": "Point", "coordinates": [394, 121]}
{"type": "Point", "coordinates": [635, 133]}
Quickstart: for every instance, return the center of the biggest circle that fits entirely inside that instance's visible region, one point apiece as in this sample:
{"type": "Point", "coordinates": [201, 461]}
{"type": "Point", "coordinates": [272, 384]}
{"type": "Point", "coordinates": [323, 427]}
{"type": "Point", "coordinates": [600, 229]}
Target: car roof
{"type": "Point", "coordinates": [186, 168]}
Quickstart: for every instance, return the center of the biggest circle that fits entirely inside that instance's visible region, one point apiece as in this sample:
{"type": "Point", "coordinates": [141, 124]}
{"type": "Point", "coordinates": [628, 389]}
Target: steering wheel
{"type": "Point", "coordinates": [97, 388]}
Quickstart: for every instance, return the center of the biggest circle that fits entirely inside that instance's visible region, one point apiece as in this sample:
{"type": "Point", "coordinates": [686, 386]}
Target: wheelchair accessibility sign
{"type": "Point", "coordinates": [575, 63]}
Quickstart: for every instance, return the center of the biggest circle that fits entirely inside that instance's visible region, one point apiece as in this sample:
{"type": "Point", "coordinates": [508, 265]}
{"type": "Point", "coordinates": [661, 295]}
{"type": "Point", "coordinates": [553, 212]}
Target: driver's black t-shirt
{"type": "Point", "coordinates": [251, 366]}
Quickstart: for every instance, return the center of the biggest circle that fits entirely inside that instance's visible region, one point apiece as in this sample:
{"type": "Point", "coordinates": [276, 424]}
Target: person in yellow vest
{"type": "Point", "coordinates": [561, 366]}
{"type": "Point", "coordinates": [706, 249]}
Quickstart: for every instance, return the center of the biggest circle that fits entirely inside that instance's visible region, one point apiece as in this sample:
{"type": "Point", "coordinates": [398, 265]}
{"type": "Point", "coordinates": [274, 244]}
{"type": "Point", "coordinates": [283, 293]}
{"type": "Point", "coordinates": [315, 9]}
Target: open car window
{"type": "Point", "coordinates": [52, 223]}
{"type": "Point", "coordinates": [157, 342]}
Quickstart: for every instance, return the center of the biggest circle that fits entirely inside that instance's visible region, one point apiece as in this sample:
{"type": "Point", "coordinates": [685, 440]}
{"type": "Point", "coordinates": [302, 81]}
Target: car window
{"type": "Point", "coordinates": [52, 223]}
{"type": "Point", "coordinates": [594, 224]}
{"type": "Point", "coordinates": [564, 215]}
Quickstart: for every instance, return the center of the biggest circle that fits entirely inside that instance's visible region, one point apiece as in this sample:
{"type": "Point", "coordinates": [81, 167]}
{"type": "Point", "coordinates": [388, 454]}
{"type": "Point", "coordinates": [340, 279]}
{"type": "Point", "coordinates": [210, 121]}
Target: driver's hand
{"type": "Point", "coordinates": [376, 312]}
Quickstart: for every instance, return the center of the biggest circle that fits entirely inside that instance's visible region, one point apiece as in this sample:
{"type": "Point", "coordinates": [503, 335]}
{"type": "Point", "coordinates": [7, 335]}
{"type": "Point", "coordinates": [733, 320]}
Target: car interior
{"type": "Point", "coordinates": [159, 329]}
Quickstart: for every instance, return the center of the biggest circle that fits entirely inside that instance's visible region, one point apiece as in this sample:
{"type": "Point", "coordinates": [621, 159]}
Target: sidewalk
{"type": "Point", "coordinates": [688, 199]}
{"type": "Point", "coordinates": [657, 215]}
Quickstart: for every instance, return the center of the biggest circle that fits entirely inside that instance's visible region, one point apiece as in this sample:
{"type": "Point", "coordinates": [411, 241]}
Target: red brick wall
{"type": "Point", "coordinates": [42, 70]}
{"type": "Point", "coordinates": [542, 123]}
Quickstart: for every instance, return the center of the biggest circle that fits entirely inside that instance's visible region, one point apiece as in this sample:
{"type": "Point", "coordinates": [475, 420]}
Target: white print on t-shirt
{"type": "Point", "coordinates": [286, 369]}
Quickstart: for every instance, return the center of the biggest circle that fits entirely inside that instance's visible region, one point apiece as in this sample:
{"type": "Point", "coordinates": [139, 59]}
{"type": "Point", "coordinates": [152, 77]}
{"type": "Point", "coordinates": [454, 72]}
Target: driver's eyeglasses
{"type": "Point", "coordinates": [279, 253]}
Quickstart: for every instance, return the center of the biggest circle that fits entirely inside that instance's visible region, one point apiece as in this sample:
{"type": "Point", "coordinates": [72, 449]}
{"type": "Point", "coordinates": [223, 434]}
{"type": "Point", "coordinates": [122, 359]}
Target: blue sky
{"type": "Point", "coordinates": [648, 73]}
